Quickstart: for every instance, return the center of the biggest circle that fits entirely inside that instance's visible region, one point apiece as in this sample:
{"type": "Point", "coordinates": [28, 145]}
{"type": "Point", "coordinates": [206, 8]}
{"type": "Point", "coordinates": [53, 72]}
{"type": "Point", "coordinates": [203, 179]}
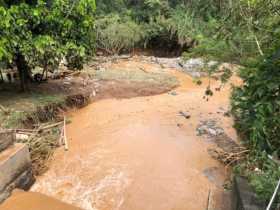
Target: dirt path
{"type": "Point", "coordinates": [140, 153]}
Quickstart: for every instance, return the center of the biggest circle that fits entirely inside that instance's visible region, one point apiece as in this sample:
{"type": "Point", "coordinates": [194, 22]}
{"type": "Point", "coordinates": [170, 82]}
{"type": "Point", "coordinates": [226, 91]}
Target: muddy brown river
{"type": "Point", "coordinates": [140, 153]}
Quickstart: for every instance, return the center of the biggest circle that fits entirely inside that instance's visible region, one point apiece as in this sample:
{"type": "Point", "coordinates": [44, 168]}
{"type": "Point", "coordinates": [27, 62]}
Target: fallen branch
{"type": "Point", "coordinates": [259, 46]}
{"type": "Point", "coordinates": [18, 130]}
{"type": "Point", "coordinates": [75, 73]}
{"type": "Point", "coordinates": [228, 158]}
{"type": "Point", "coordinates": [4, 110]}
{"type": "Point", "coordinates": [50, 126]}
{"type": "Point", "coordinates": [65, 137]}
{"type": "Point", "coordinates": [61, 137]}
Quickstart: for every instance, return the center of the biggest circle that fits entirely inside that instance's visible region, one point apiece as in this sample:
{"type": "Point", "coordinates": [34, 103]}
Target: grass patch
{"type": "Point", "coordinates": [20, 106]}
{"type": "Point", "coordinates": [137, 76]}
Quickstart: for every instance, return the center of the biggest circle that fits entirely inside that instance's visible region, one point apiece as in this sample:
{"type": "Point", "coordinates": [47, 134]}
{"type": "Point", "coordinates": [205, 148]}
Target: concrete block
{"type": "Point", "coordinates": [34, 201]}
{"type": "Point", "coordinates": [243, 197]}
{"type": "Point", "coordinates": [15, 170]}
{"type": "Point", "coordinates": [7, 138]}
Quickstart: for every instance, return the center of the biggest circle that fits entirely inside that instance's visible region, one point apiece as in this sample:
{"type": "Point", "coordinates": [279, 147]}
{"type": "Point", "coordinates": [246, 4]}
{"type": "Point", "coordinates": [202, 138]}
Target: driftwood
{"type": "Point", "coordinates": [60, 141]}
{"type": "Point", "coordinates": [37, 130]}
{"type": "Point", "coordinates": [209, 200]}
{"type": "Point", "coordinates": [75, 73]}
{"type": "Point", "coordinates": [65, 136]}
{"type": "Point", "coordinates": [50, 126]}
{"type": "Point", "coordinates": [42, 142]}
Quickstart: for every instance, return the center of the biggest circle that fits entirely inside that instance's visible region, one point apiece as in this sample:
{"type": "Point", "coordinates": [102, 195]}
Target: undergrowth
{"type": "Point", "coordinates": [20, 107]}
{"type": "Point", "coordinates": [256, 108]}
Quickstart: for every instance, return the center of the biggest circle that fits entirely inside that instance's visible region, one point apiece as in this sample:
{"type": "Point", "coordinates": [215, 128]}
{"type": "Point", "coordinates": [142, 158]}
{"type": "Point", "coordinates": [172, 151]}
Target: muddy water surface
{"type": "Point", "coordinates": [140, 153]}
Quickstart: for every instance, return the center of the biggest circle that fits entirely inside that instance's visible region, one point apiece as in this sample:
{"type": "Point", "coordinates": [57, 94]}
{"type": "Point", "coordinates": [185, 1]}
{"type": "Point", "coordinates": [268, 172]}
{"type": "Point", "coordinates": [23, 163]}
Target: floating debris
{"type": "Point", "coordinates": [173, 93]}
{"type": "Point", "coordinates": [185, 115]}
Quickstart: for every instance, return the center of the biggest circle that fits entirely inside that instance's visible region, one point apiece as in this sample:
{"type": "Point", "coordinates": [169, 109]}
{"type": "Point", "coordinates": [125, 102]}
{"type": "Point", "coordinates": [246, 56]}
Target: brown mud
{"type": "Point", "coordinates": [140, 153]}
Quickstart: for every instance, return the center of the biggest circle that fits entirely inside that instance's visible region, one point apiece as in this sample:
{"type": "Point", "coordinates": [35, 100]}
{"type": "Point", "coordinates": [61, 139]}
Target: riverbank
{"type": "Point", "coordinates": [47, 103]}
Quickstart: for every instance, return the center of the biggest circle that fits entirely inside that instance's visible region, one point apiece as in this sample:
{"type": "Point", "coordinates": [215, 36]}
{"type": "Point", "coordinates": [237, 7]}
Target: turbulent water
{"type": "Point", "coordinates": [140, 153]}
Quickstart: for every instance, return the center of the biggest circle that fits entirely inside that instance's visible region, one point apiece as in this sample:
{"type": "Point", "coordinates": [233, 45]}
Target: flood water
{"type": "Point", "coordinates": [140, 153]}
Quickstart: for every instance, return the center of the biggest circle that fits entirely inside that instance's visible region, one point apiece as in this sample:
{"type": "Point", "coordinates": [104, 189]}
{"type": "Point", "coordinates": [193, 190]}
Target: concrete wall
{"type": "Point", "coordinates": [15, 170]}
{"type": "Point", "coordinates": [243, 197]}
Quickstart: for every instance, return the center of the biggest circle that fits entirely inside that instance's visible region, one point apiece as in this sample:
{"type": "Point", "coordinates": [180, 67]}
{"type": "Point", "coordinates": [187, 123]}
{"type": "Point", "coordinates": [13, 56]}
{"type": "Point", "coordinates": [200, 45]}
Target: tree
{"type": "Point", "coordinates": [41, 32]}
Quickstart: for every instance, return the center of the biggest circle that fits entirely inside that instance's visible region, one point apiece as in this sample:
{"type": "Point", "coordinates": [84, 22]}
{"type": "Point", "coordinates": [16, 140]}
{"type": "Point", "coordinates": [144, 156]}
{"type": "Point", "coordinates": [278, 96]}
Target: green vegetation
{"type": "Point", "coordinates": [256, 107]}
{"type": "Point", "coordinates": [39, 33]}
{"type": "Point", "coordinates": [115, 35]}
{"type": "Point", "coordinates": [19, 107]}
{"type": "Point", "coordinates": [227, 30]}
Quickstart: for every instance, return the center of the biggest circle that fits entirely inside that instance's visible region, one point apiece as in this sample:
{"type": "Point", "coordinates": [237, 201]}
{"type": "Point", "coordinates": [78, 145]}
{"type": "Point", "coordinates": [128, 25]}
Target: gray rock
{"type": "Point", "coordinates": [169, 62]}
{"type": "Point", "coordinates": [196, 67]}
{"type": "Point", "coordinates": [209, 128]}
{"type": "Point", "coordinates": [173, 93]}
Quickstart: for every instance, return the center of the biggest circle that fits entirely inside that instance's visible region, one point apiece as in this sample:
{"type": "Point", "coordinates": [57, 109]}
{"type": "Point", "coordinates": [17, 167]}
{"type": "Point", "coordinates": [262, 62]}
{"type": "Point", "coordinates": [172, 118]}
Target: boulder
{"type": "Point", "coordinates": [15, 170]}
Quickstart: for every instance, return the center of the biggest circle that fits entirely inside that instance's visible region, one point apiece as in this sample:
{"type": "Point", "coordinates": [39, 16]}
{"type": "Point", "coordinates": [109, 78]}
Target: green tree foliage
{"type": "Point", "coordinates": [257, 105]}
{"type": "Point", "coordinates": [115, 34]}
{"type": "Point", "coordinates": [228, 30]}
{"type": "Point", "coordinates": [40, 33]}
{"type": "Point", "coordinates": [256, 108]}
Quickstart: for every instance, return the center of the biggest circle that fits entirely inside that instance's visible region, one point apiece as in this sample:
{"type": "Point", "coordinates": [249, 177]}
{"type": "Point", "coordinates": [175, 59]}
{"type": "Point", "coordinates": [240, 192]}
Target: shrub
{"type": "Point", "coordinates": [115, 34]}
{"type": "Point", "coordinates": [256, 106]}
{"type": "Point", "coordinates": [262, 173]}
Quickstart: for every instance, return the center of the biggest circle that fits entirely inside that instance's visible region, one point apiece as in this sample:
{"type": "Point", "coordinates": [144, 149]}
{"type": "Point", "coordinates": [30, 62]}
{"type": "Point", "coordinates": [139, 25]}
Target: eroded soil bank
{"type": "Point", "coordinates": [141, 153]}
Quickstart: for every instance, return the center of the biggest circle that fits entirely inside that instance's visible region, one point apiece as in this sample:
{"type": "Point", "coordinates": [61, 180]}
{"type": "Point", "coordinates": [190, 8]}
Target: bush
{"type": "Point", "coordinates": [262, 173]}
{"type": "Point", "coordinates": [256, 106]}
{"type": "Point", "coordinates": [115, 34]}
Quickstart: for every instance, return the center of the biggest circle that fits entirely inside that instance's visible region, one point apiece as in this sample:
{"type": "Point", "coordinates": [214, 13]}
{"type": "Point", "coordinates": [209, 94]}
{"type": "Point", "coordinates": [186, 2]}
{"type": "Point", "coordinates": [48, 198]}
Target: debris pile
{"type": "Point", "coordinates": [41, 141]}
{"type": "Point", "coordinates": [195, 67]}
{"type": "Point", "coordinates": [229, 158]}
{"type": "Point", "coordinates": [209, 128]}
{"type": "Point", "coordinates": [227, 151]}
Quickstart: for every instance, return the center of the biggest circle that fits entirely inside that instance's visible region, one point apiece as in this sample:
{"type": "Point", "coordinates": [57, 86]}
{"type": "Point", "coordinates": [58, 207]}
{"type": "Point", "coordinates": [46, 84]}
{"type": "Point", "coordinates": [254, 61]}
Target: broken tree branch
{"type": "Point", "coordinates": [65, 137]}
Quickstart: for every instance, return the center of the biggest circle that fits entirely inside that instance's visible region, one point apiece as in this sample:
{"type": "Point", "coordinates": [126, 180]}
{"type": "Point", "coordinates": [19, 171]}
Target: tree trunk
{"type": "Point", "coordinates": [23, 70]}
{"type": "Point", "coordinates": [1, 75]}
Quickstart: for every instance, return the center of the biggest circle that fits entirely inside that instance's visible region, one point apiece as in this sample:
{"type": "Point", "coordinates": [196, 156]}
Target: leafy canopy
{"type": "Point", "coordinates": [43, 31]}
